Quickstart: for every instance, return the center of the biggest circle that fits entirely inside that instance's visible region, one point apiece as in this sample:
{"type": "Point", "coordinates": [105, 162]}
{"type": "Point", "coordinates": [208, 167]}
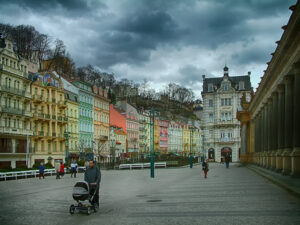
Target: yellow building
{"type": "Point", "coordinates": [49, 118]}
{"type": "Point", "coordinates": [186, 138]}
{"type": "Point", "coordinates": [15, 112]}
{"type": "Point", "coordinates": [101, 123]}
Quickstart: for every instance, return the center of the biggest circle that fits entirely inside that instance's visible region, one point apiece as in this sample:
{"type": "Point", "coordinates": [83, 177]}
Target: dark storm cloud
{"type": "Point", "coordinates": [70, 8]}
{"type": "Point", "coordinates": [134, 34]}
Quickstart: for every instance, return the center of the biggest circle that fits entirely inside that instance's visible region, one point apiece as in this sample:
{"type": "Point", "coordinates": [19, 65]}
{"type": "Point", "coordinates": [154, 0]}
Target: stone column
{"type": "Point", "coordinates": [269, 130]}
{"type": "Point", "coordinates": [261, 123]}
{"type": "Point", "coordinates": [274, 130]}
{"type": "Point", "coordinates": [296, 129]}
{"type": "Point", "coordinates": [288, 125]}
{"type": "Point", "coordinates": [280, 131]}
{"type": "Point", "coordinates": [266, 135]}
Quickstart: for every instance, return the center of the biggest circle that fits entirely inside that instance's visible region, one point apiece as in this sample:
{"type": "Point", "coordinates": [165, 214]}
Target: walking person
{"type": "Point", "coordinates": [93, 176]}
{"type": "Point", "coordinates": [205, 168]}
{"type": "Point", "coordinates": [57, 169]}
{"type": "Point", "coordinates": [74, 168]}
{"type": "Point", "coordinates": [227, 160]}
{"type": "Point", "coordinates": [62, 169]}
{"type": "Point", "coordinates": [42, 170]}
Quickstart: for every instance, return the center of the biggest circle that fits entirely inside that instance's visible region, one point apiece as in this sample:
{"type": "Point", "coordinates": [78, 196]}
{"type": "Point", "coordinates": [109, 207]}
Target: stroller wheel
{"type": "Point", "coordinates": [89, 211]}
{"type": "Point", "coordinates": [95, 207]}
{"type": "Point", "coordinates": [72, 209]}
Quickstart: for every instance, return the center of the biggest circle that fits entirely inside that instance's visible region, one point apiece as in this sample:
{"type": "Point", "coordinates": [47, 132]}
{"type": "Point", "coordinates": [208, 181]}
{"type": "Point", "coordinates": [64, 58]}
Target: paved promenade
{"type": "Point", "coordinates": [176, 196]}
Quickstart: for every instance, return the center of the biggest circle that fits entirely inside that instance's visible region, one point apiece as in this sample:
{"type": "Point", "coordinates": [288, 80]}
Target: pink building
{"type": "Point", "coordinates": [163, 135]}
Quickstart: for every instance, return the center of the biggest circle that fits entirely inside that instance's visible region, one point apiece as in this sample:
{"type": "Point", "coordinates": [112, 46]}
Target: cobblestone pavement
{"type": "Point", "coordinates": [176, 196]}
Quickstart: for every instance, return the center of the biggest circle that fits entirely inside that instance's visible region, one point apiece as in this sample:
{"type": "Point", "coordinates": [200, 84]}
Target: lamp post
{"type": "Point", "coordinates": [203, 155]}
{"type": "Point", "coordinates": [191, 143]}
{"type": "Point", "coordinates": [152, 152]}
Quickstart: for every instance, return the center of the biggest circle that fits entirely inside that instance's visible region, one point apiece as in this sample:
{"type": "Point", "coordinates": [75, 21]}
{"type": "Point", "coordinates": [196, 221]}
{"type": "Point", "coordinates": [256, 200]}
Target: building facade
{"type": "Point", "coordinates": [101, 123]}
{"type": "Point", "coordinates": [221, 100]}
{"type": "Point", "coordinates": [163, 136]}
{"type": "Point", "coordinates": [132, 127]}
{"type": "Point", "coordinates": [49, 118]}
{"type": "Point", "coordinates": [175, 137]}
{"type": "Point", "coordinates": [270, 125]}
{"type": "Point", "coordinates": [144, 131]}
{"type": "Point", "coordinates": [86, 119]}
{"type": "Point", "coordinates": [15, 114]}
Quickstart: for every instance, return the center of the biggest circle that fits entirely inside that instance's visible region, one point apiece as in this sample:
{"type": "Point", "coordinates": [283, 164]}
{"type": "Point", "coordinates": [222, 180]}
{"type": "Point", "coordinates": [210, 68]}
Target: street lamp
{"type": "Point", "coordinates": [152, 152]}
{"type": "Point", "coordinates": [191, 143]}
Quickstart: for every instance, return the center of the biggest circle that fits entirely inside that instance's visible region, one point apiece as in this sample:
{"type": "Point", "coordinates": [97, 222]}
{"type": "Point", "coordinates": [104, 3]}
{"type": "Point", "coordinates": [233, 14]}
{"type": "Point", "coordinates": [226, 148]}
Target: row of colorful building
{"type": "Point", "coordinates": [45, 117]}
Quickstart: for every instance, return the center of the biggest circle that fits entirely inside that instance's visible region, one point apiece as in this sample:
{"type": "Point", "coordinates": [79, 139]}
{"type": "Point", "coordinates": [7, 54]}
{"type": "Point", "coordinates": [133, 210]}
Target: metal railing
{"type": "Point", "coordinates": [31, 173]}
{"type": "Point", "coordinates": [142, 165]}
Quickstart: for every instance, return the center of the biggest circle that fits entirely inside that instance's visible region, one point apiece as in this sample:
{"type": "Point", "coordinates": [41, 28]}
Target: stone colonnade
{"type": "Point", "coordinates": [277, 128]}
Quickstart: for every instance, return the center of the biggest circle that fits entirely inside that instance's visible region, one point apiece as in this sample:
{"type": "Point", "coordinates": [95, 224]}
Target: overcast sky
{"type": "Point", "coordinates": [161, 41]}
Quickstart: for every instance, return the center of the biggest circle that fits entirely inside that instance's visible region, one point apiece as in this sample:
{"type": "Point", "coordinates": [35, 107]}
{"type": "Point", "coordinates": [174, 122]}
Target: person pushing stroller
{"type": "Point", "coordinates": [93, 177]}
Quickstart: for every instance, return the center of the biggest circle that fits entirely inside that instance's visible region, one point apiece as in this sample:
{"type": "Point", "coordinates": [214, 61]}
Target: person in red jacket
{"type": "Point", "coordinates": [62, 169]}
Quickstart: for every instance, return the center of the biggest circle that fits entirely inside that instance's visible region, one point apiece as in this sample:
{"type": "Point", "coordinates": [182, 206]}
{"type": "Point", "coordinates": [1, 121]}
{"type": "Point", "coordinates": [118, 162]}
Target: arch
{"type": "Point", "coordinates": [211, 154]}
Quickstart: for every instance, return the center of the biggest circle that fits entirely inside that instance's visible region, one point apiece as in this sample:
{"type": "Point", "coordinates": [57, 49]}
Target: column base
{"type": "Point", "coordinates": [265, 159]}
{"type": "Point", "coordinates": [295, 163]}
{"type": "Point", "coordinates": [287, 162]}
{"type": "Point", "coordinates": [278, 166]}
{"type": "Point", "coordinates": [273, 160]}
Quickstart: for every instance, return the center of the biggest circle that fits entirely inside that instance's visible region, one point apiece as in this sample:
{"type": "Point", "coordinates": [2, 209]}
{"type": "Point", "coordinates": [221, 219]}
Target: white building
{"type": "Point", "coordinates": [221, 100]}
{"type": "Point", "coordinates": [175, 137]}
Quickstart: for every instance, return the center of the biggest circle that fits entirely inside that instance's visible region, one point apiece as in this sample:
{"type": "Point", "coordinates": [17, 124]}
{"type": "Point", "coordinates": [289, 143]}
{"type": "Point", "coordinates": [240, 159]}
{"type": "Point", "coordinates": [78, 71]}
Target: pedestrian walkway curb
{"type": "Point", "coordinates": [288, 183]}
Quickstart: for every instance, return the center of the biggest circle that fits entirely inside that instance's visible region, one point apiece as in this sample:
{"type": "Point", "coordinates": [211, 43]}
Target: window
{"type": "Point", "coordinates": [210, 103]}
{"type": "Point", "coordinates": [211, 117]}
{"type": "Point", "coordinates": [210, 87]}
{"type": "Point", "coordinates": [241, 85]}
{"type": "Point", "coordinates": [226, 102]}
{"type": "Point", "coordinates": [225, 86]}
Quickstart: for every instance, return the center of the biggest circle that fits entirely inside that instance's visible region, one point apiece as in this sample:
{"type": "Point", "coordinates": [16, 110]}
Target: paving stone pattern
{"type": "Point", "coordinates": [176, 196]}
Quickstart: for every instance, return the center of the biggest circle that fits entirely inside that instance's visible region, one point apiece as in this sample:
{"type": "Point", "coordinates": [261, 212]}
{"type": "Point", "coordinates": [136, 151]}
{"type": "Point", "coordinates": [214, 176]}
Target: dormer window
{"type": "Point", "coordinates": [210, 87]}
{"type": "Point", "coordinates": [225, 86]}
{"type": "Point", "coordinates": [241, 85]}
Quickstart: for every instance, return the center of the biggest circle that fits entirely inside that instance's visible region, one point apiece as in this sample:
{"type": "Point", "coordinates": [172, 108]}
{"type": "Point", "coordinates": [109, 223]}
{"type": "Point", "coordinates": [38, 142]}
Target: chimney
{"type": "Point", "coordinates": [249, 73]}
{"type": "Point", "coordinates": [203, 77]}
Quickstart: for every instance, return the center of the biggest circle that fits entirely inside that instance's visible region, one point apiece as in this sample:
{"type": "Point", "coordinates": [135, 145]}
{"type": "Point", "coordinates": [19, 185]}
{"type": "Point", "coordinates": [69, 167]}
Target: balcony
{"type": "Point", "coordinates": [41, 116]}
{"type": "Point", "coordinates": [103, 138]}
{"type": "Point", "coordinates": [53, 100]}
{"type": "Point", "coordinates": [47, 116]}
{"type": "Point", "coordinates": [62, 104]}
{"type": "Point", "coordinates": [142, 136]}
{"type": "Point", "coordinates": [53, 117]}
{"type": "Point", "coordinates": [15, 131]}
{"type": "Point", "coordinates": [226, 123]}
{"type": "Point", "coordinates": [227, 140]}
{"type": "Point", "coordinates": [28, 113]}
{"type": "Point", "coordinates": [142, 129]}
{"type": "Point", "coordinates": [65, 119]}
{"type": "Point", "coordinates": [37, 98]}
{"type": "Point", "coordinates": [41, 134]}
{"type": "Point", "coordinates": [10, 110]}
{"type": "Point", "coordinates": [53, 135]}
{"type": "Point", "coordinates": [59, 119]}
{"type": "Point", "coordinates": [12, 90]}
{"type": "Point", "coordinates": [13, 70]}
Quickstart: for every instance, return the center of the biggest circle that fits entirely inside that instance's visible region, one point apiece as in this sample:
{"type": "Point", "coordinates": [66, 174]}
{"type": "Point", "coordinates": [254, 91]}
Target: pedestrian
{"type": "Point", "coordinates": [74, 168]}
{"type": "Point", "coordinates": [62, 169]}
{"type": "Point", "coordinates": [57, 169]}
{"type": "Point", "coordinates": [93, 176]}
{"type": "Point", "coordinates": [42, 170]}
{"type": "Point", "coordinates": [205, 168]}
{"type": "Point", "coordinates": [227, 160]}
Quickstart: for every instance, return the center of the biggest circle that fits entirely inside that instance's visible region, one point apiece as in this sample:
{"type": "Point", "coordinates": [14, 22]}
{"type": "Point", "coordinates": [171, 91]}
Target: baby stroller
{"type": "Point", "coordinates": [81, 194]}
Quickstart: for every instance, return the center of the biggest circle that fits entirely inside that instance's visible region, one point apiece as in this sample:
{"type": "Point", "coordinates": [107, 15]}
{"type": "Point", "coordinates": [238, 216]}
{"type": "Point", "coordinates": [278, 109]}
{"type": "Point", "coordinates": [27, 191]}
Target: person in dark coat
{"type": "Point", "coordinates": [42, 171]}
{"type": "Point", "coordinates": [205, 168]}
{"type": "Point", "coordinates": [93, 176]}
{"type": "Point", "coordinates": [227, 160]}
